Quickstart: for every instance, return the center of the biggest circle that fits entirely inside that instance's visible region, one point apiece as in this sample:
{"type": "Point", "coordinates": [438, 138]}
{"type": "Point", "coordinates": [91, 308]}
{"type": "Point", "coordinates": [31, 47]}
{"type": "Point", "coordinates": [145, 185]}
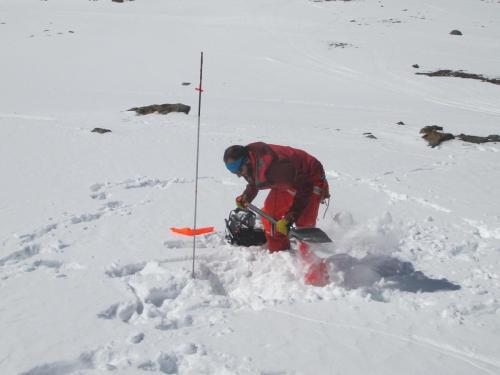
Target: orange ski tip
{"type": "Point", "coordinates": [192, 232]}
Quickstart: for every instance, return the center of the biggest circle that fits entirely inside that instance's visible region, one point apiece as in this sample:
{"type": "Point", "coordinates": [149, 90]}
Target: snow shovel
{"type": "Point", "coordinates": [312, 235]}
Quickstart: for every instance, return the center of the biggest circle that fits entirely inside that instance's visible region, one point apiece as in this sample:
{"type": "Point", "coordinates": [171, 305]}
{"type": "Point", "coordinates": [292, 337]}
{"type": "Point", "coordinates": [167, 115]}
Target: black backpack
{"type": "Point", "coordinates": [241, 231]}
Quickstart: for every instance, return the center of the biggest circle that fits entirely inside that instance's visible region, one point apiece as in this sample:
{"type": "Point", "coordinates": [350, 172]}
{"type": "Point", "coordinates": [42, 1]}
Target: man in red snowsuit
{"type": "Point", "coordinates": [297, 182]}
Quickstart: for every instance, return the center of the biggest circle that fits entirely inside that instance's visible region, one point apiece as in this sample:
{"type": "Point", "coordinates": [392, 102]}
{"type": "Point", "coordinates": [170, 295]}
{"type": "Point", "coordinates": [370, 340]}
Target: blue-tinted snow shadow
{"type": "Point", "coordinates": [371, 270]}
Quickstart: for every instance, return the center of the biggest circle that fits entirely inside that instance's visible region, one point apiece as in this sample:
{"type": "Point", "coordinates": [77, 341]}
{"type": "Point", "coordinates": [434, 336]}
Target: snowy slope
{"type": "Point", "coordinates": [91, 279]}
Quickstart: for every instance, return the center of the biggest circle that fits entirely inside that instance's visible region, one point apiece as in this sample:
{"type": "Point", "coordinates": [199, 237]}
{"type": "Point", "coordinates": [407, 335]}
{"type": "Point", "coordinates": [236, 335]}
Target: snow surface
{"type": "Point", "coordinates": [93, 282]}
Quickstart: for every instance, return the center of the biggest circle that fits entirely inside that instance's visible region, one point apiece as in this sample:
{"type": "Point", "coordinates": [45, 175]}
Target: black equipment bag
{"type": "Point", "coordinates": [241, 231]}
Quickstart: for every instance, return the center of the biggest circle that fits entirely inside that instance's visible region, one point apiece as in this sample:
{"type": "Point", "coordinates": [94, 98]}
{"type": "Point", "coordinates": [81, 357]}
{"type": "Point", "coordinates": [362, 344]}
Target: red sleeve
{"type": "Point", "coordinates": [250, 192]}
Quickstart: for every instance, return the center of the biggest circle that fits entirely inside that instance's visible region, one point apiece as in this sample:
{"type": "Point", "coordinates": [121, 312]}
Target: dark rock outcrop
{"type": "Point", "coordinates": [162, 109]}
{"type": "Point", "coordinates": [101, 130]}
{"type": "Point", "coordinates": [460, 74]}
{"type": "Point", "coordinates": [434, 136]}
{"type": "Point", "coordinates": [476, 139]}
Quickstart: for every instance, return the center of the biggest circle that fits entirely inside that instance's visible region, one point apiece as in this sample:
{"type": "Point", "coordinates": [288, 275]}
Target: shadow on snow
{"type": "Point", "coordinates": [390, 272]}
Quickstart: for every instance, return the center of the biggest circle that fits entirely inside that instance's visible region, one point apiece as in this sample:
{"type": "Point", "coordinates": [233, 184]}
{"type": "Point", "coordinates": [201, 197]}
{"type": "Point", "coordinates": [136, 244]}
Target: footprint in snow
{"type": "Point", "coordinates": [123, 311]}
{"type": "Point", "coordinates": [99, 195]}
{"type": "Point", "coordinates": [20, 255]}
{"type": "Point", "coordinates": [96, 191]}
{"type": "Point", "coordinates": [111, 206]}
{"type": "Point", "coordinates": [29, 237]}
{"type": "Point", "coordinates": [136, 338]}
{"type": "Point", "coordinates": [121, 271]}
{"type": "Point", "coordinates": [85, 218]}
{"type": "Point", "coordinates": [45, 263]}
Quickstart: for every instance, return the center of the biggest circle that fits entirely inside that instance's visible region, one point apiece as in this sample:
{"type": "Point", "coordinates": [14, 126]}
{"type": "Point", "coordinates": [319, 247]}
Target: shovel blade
{"type": "Point", "coordinates": [311, 235]}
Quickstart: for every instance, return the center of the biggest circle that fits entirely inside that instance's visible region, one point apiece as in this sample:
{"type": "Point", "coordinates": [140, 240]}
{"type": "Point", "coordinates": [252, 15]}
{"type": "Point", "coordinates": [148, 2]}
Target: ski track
{"type": "Point", "coordinates": [482, 363]}
{"type": "Point", "coordinates": [25, 117]}
{"type": "Point", "coordinates": [394, 197]}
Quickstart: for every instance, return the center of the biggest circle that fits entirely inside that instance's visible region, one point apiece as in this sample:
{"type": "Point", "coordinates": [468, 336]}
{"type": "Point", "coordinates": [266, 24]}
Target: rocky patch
{"type": "Point", "coordinates": [460, 74]}
{"type": "Point", "coordinates": [339, 45]}
{"type": "Point", "coordinates": [162, 109]}
{"type": "Point", "coordinates": [101, 130]}
{"type": "Point", "coordinates": [434, 136]}
{"type": "Point", "coordinates": [476, 139]}
{"type": "Point", "coordinates": [369, 135]}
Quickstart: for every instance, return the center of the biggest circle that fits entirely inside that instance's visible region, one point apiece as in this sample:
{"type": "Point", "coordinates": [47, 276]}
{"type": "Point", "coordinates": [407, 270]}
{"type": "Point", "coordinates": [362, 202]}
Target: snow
{"type": "Point", "coordinates": [92, 280]}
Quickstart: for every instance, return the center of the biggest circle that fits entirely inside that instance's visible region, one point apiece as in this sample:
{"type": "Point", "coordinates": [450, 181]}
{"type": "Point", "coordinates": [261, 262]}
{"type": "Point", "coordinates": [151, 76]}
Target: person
{"type": "Point", "coordinates": [297, 186]}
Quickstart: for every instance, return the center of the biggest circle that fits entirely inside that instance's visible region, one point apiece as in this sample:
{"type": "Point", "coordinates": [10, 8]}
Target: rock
{"type": "Point", "coordinates": [369, 135]}
{"type": "Point", "coordinates": [433, 136]}
{"type": "Point", "coordinates": [476, 139]}
{"type": "Point", "coordinates": [494, 138]}
{"type": "Point", "coordinates": [162, 109]}
{"type": "Point", "coordinates": [101, 130]}
{"type": "Point", "coordinates": [455, 32]}
{"type": "Point", "coordinates": [401, 123]}
{"type": "Point", "coordinates": [460, 74]}
{"type": "Point", "coordinates": [430, 128]}
{"type": "Point", "coordinates": [339, 44]}
{"type": "Point", "coordinates": [416, 66]}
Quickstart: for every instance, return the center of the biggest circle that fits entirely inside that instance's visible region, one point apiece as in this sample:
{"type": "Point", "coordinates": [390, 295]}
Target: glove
{"type": "Point", "coordinates": [282, 226]}
{"type": "Point", "coordinates": [242, 202]}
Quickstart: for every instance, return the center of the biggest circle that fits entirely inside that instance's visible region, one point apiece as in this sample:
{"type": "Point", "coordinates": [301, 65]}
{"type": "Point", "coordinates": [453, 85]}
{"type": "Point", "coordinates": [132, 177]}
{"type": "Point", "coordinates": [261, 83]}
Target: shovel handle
{"type": "Point", "coordinates": [312, 235]}
{"type": "Point", "coordinates": [259, 212]}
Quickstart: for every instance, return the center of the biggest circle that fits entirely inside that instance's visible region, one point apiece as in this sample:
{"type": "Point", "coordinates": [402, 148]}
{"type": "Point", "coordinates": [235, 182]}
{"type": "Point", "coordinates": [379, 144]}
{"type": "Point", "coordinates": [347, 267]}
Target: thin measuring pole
{"type": "Point", "coordinates": [200, 90]}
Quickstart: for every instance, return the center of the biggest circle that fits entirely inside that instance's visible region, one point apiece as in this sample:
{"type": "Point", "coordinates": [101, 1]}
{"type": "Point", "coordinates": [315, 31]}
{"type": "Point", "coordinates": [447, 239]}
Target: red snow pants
{"type": "Point", "coordinates": [277, 204]}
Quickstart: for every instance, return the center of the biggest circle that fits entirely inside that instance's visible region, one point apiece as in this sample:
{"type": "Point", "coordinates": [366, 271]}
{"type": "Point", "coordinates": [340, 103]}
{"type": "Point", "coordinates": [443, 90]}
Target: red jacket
{"type": "Point", "coordinates": [273, 166]}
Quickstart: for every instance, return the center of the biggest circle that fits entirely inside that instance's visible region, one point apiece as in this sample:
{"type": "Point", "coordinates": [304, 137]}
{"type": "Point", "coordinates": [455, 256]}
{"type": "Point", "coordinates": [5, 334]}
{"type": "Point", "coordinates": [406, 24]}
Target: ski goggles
{"type": "Point", "coordinates": [235, 166]}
